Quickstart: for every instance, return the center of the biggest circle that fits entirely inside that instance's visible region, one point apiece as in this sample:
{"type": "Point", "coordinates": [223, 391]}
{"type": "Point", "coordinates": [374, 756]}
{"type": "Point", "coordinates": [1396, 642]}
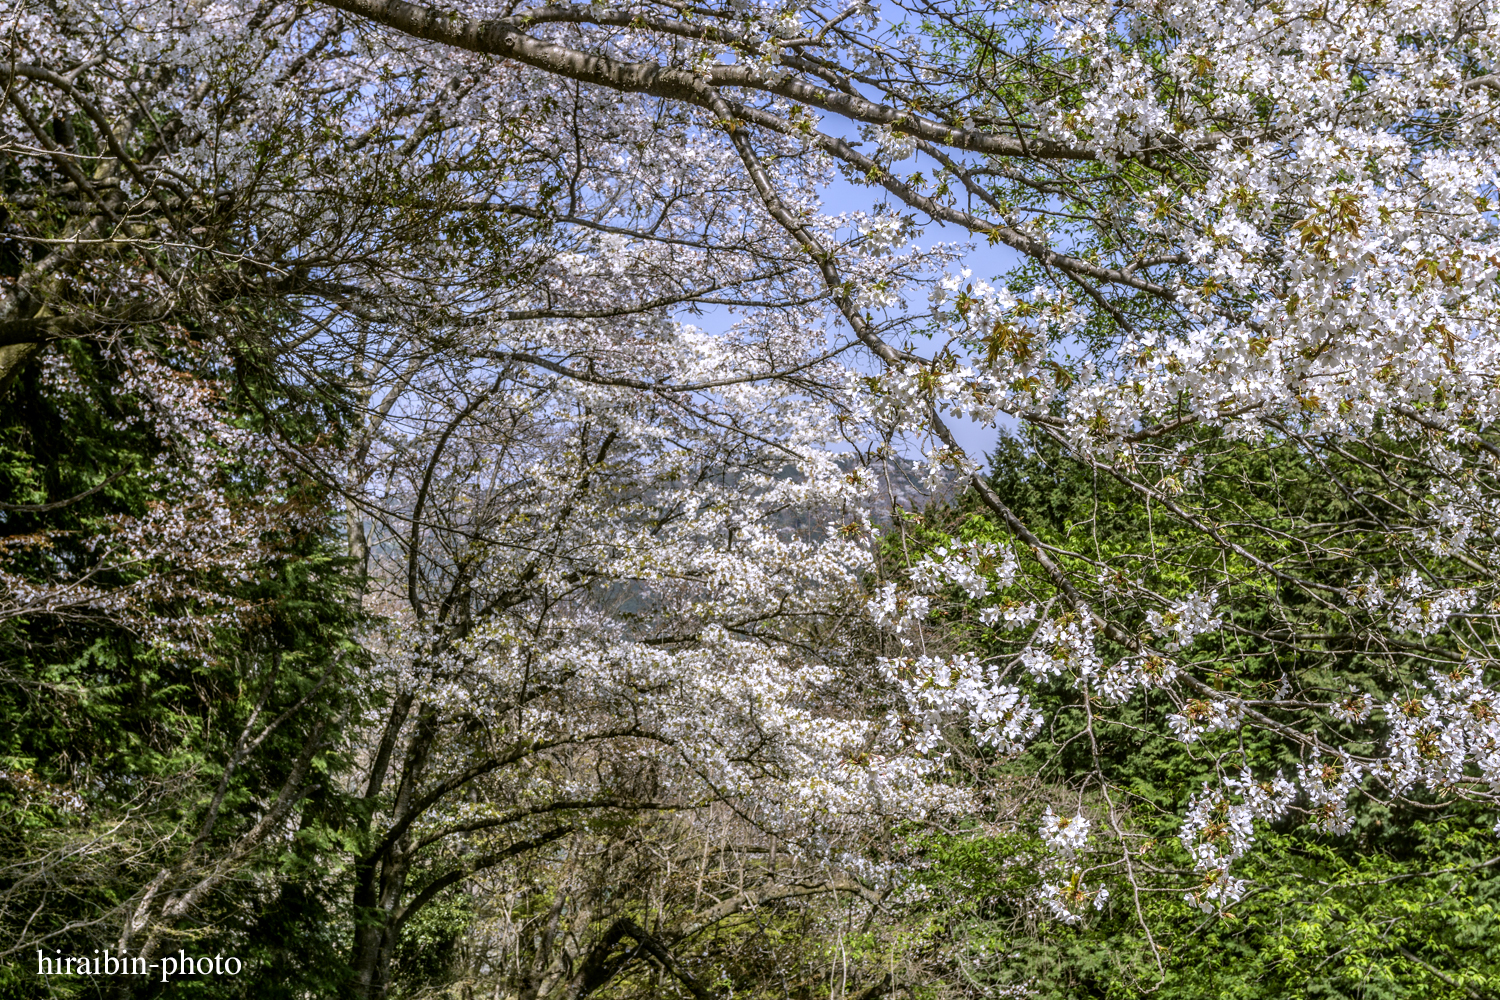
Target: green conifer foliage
{"type": "Point", "coordinates": [134, 767]}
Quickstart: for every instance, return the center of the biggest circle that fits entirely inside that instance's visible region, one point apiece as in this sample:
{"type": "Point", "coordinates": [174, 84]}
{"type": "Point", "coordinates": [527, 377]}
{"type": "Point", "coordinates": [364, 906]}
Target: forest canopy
{"type": "Point", "coordinates": [488, 507]}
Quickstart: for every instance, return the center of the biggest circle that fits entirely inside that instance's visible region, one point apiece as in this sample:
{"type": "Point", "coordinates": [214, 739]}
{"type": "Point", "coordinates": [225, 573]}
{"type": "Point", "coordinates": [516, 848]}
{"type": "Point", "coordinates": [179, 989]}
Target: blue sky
{"type": "Point", "coordinates": [986, 261]}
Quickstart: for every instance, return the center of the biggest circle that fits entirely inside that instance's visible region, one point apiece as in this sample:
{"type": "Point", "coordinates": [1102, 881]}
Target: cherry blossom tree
{"type": "Point", "coordinates": [614, 560]}
{"type": "Point", "coordinates": [1238, 224]}
{"type": "Point", "coordinates": [605, 551]}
